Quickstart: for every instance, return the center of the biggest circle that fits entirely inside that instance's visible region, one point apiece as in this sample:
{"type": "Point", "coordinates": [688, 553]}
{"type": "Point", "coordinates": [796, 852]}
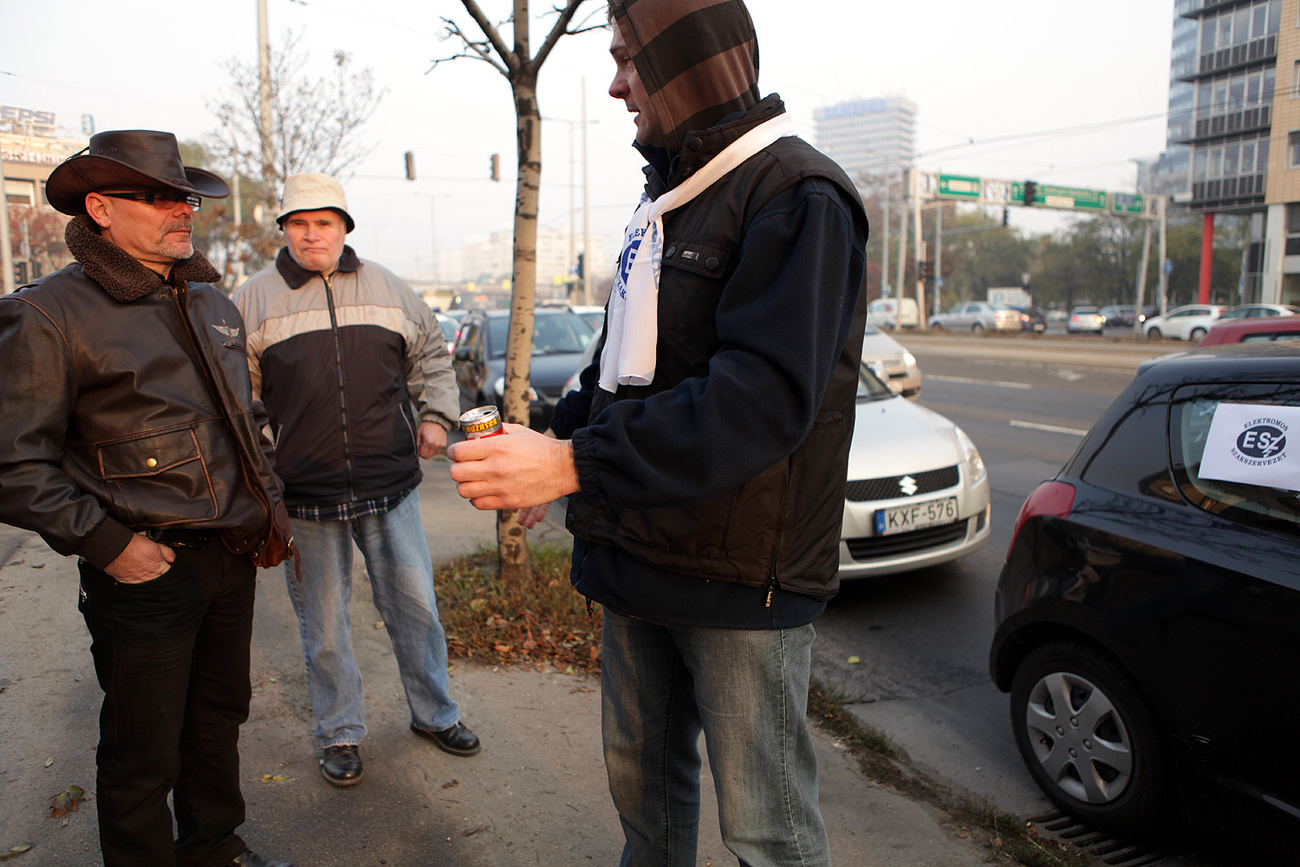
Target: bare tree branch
{"type": "Point", "coordinates": [493, 35]}
{"type": "Point", "coordinates": [481, 49]}
{"type": "Point", "coordinates": [561, 28]}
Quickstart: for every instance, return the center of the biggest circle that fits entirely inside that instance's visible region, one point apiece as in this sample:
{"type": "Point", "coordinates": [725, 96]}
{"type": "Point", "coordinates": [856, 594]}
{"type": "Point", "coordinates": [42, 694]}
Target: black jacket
{"type": "Point", "coordinates": [126, 405]}
{"type": "Point", "coordinates": [339, 362]}
{"type": "Point", "coordinates": [731, 465]}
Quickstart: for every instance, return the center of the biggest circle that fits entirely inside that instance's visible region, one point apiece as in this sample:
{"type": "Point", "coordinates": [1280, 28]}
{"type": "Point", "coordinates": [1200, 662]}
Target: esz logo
{"type": "Point", "coordinates": [1261, 441]}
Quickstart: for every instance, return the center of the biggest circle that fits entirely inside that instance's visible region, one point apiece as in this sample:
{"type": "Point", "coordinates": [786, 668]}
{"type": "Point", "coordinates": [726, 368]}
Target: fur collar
{"type": "Point", "coordinates": [118, 273]}
{"type": "Point", "coordinates": [297, 276]}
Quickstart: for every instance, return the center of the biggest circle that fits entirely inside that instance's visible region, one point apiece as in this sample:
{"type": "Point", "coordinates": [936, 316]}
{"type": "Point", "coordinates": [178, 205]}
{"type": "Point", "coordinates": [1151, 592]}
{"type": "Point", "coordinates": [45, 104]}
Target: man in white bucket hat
{"type": "Point", "coordinates": [340, 350]}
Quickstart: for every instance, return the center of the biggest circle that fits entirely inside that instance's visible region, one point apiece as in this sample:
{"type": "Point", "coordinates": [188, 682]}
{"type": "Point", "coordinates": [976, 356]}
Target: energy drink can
{"type": "Point", "coordinates": [481, 421]}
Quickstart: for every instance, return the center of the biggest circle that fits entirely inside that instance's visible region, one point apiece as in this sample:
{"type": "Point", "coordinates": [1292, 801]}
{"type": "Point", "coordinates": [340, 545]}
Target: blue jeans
{"type": "Point", "coordinates": [747, 691]}
{"type": "Point", "coordinates": [401, 576]}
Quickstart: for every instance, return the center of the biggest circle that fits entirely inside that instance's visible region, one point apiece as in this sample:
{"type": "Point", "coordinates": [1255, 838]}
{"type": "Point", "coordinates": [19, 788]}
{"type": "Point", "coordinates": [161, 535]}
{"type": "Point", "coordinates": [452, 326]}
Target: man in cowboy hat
{"type": "Point", "coordinates": [129, 438]}
{"type": "Point", "coordinates": [341, 350]}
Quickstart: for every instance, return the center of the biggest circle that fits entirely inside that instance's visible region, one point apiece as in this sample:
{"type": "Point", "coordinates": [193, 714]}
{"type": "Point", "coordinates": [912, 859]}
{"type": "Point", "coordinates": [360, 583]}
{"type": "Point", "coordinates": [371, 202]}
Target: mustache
{"type": "Point", "coordinates": [186, 224]}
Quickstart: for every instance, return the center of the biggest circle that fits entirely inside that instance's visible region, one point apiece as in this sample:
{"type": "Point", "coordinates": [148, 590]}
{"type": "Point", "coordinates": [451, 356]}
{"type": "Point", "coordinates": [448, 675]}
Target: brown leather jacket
{"type": "Point", "coordinates": [126, 405]}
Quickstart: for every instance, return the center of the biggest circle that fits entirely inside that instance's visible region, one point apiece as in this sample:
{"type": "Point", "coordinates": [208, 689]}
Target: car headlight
{"type": "Point", "coordinates": [970, 457]}
{"type": "Point", "coordinates": [499, 389]}
{"type": "Point", "coordinates": [909, 360]}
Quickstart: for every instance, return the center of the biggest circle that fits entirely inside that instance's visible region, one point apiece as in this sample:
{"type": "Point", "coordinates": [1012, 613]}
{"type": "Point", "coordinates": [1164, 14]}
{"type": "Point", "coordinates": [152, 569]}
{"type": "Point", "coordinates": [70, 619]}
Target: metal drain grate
{"type": "Point", "coordinates": [1107, 849]}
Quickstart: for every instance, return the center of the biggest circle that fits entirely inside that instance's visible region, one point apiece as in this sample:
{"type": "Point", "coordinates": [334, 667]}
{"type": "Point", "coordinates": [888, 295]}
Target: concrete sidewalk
{"type": "Point", "coordinates": [536, 795]}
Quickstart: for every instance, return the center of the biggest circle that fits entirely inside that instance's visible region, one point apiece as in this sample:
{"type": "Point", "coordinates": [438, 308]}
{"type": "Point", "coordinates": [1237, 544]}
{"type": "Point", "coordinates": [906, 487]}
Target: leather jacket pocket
{"type": "Point", "coordinates": [158, 479]}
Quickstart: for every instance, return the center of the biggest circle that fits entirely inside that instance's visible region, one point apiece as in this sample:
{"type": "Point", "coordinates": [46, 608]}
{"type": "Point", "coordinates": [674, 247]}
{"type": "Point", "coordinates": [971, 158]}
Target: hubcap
{"type": "Point", "coordinates": [1079, 738]}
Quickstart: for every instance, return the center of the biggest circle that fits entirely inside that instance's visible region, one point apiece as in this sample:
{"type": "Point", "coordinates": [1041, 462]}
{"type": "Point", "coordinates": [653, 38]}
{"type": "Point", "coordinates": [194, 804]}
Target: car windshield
{"type": "Point", "coordinates": [871, 384]}
{"type": "Point", "coordinates": [553, 334]}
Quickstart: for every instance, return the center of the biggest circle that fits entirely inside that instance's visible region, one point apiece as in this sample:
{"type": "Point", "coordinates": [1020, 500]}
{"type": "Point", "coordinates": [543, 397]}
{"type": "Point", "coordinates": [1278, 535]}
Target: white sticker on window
{"type": "Point", "coordinates": [1254, 444]}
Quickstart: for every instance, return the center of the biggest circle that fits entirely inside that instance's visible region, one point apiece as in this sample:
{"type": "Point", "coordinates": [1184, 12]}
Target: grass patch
{"type": "Point", "coordinates": [542, 624]}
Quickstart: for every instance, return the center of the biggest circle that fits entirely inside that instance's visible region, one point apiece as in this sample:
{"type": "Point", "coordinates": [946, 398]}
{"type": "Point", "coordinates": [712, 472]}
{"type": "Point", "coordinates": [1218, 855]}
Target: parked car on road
{"type": "Point", "coordinates": [1253, 330]}
{"type": "Point", "coordinates": [449, 328]}
{"type": "Point", "coordinates": [1085, 319]}
{"type": "Point", "coordinates": [891, 361]}
{"type": "Point", "coordinates": [1032, 319]}
{"type": "Point", "coordinates": [891, 313]}
{"type": "Point", "coordinates": [1189, 322]}
{"type": "Point", "coordinates": [976, 316]}
{"type": "Point", "coordinates": [1257, 311]}
{"type": "Point", "coordinates": [1147, 312]}
{"type": "Point", "coordinates": [1118, 315]}
{"type": "Point", "coordinates": [1148, 612]}
{"type": "Point", "coordinates": [559, 338]}
{"type": "Point", "coordinates": [918, 491]}
{"type": "Point", "coordinates": [593, 313]}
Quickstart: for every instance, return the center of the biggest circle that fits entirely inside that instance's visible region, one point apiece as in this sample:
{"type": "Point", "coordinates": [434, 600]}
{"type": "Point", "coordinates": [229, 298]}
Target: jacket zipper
{"type": "Point", "coordinates": [343, 396]}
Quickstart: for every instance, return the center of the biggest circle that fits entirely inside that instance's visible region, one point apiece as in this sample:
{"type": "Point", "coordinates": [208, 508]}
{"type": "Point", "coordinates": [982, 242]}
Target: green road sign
{"type": "Point", "coordinates": [1126, 203]}
{"type": "Point", "coordinates": [958, 187]}
{"type": "Point", "coordinates": [1069, 198]}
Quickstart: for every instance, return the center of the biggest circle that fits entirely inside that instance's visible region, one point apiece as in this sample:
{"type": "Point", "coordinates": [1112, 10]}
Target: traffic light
{"type": "Point", "coordinates": [496, 167]}
{"type": "Point", "coordinates": [1004, 216]}
{"type": "Point", "coordinates": [581, 266]}
{"type": "Point", "coordinates": [410, 166]}
{"type": "Point", "coordinates": [1031, 192]}
{"type": "Point", "coordinates": [925, 270]}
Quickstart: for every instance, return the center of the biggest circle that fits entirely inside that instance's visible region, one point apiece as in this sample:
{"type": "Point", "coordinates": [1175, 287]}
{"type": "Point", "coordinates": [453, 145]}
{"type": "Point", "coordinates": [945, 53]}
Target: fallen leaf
{"type": "Point", "coordinates": [453, 784]}
{"type": "Point", "coordinates": [379, 624]}
{"type": "Point", "coordinates": [15, 851]}
{"type": "Point", "coordinates": [853, 660]}
{"type": "Point", "coordinates": [49, 761]}
{"type": "Point", "coordinates": [66, 801]}
{"type": "Point", "coordinates": [274, 778]}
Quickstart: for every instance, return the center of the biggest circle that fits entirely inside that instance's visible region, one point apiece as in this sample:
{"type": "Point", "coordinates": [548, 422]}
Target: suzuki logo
{"type": "Point", "coordinates": [908, 485]}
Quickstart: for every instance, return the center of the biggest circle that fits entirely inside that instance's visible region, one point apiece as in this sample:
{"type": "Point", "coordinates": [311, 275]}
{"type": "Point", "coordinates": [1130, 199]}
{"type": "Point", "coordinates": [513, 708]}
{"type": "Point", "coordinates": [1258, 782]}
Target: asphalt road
{"type": "Point", "coordinates": [921, 639]}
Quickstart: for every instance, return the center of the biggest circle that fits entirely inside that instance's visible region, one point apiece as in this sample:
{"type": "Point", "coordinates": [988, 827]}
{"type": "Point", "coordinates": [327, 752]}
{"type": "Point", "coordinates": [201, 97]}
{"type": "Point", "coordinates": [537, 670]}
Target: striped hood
{"type": "Point", "coordinates": [698, 59]}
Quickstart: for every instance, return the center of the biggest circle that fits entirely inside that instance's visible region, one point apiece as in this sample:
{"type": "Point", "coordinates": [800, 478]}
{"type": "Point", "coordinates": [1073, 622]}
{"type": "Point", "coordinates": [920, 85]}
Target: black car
{"type": "Point", "coordinates": [479, 359]}
{"type": "Point", "coordinates": [1148, 613]}
{"type": "Point", "coordinates": [1032, 319]}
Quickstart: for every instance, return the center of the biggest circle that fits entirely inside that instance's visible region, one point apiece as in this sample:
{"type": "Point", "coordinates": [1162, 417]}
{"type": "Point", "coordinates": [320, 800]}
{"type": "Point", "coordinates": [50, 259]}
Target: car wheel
{"type": "Point", "coordinates": [1088, 738]}
{"type": "Point", "coordinates": [936, 326]}
{"type": "Point", "coordinates": [977, 328]}
{"type": "Point", "coordinates": [1154, 333]}
{"type": "Point", "coordinates": [1197, 335]}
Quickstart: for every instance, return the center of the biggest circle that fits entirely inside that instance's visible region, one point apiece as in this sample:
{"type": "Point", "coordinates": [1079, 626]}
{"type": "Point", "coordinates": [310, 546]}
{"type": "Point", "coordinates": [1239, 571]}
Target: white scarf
{"type": "Point", "coordinates": [632, 328]}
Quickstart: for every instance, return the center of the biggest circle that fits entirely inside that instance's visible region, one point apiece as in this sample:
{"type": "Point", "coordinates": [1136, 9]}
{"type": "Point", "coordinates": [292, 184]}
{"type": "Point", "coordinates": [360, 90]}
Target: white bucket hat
{"type": "Point", "coordinates": [313, 192]}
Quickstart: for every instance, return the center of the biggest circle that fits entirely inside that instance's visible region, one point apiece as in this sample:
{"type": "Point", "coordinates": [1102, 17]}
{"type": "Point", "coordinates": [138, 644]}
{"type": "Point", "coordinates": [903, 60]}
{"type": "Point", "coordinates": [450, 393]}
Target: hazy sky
{"type": "Point", "coordinates": [994, 73]}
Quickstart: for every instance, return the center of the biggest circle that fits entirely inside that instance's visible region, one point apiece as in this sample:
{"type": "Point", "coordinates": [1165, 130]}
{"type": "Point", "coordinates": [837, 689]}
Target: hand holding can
{"type": "Point", "coordinates": [481, 421]}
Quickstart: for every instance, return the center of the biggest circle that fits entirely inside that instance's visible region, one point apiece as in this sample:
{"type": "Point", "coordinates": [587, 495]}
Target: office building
{"type": "Point", "coordinates": [869, 138]}
{"type": "Point", "coordinates": [1245, 134]}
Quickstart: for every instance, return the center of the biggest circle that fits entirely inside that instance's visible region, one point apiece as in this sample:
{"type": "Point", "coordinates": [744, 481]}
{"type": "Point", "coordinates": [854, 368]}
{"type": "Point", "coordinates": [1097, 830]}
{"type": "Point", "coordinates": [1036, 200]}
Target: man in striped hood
{"type": "Point", "coordinates": [705, 454]}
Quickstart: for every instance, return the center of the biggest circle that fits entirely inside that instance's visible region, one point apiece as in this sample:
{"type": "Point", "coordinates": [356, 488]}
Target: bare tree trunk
{"type": "Point", "coordinates": [512, 538]}
{"type": "Point", "coordinates": [521, 67]}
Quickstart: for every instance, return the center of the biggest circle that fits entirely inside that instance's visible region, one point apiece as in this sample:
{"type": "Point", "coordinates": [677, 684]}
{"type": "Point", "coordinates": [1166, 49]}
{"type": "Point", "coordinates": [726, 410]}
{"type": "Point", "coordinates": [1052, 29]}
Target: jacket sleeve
{"type": "Point", "coordinates": [37, 393]}
{"type": "Point", "coordinates": [430, 381]}
{"type": "Point", "coordinates": [782, 322]}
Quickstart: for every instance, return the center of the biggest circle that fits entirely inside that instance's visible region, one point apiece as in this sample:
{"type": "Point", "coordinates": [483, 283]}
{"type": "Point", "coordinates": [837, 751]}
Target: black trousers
{"type": "Point", "coordinates": [172, 656]}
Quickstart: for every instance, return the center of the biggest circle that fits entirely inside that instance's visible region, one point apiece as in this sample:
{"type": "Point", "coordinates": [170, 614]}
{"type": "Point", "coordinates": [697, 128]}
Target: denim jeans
{"type": "Point", "coordinates": [172, 657]}
{"type": "Point", "coordinates": [747, 690]}
{"type": "Point", "coordinates": [397, 560]}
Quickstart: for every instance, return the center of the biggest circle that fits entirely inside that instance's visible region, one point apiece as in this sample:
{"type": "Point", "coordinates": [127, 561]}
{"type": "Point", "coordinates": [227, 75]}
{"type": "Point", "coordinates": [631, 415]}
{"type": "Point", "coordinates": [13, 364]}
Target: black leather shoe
{"type": "Point", "coordinates": [249, 858]}
{"type": "Point", "coordinates": [457, 740]}
{"type": "Point", "coordinates": [341, 765]}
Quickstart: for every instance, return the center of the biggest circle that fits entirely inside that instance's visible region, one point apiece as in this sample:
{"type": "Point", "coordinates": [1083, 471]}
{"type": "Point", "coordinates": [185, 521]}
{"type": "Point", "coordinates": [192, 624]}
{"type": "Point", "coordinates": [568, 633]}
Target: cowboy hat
{"type": "Point", "coordinates": [127, 158]}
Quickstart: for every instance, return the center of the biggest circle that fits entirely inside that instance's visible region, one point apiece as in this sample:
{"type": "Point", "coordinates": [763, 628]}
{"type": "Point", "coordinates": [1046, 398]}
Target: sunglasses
{"type": "Point", "coordinates": [159, 198]}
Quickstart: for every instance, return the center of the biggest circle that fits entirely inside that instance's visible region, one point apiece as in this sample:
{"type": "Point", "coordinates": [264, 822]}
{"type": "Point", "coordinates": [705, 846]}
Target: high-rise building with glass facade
{"type": "Point", "coordinates": [869, 138]}
{"type": "Point", "coordinates": [1244, 133]}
